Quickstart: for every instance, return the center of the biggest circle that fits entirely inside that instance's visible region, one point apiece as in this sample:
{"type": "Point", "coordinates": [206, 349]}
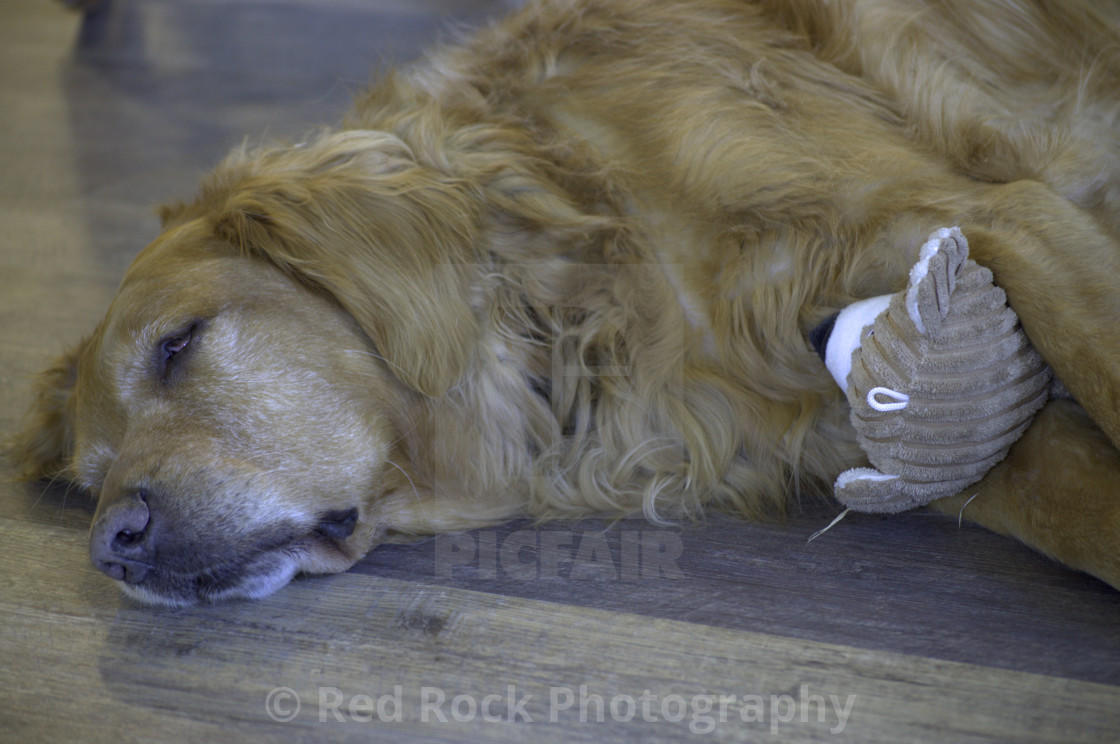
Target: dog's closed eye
{"type": "Point", "coordinates": [172, 347]}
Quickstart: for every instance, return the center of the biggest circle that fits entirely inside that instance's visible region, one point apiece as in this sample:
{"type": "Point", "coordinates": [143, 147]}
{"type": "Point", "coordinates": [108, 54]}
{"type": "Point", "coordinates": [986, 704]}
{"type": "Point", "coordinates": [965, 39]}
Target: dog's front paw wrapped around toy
{"type": "Point", "coordinates": [940, 377]}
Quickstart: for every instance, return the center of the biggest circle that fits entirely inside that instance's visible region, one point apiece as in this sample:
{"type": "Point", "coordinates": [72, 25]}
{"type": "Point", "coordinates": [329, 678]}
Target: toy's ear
{"type": "Point", "coordinates": [393, 241]}
{"type": "Point", "coordinates": [45, 444]}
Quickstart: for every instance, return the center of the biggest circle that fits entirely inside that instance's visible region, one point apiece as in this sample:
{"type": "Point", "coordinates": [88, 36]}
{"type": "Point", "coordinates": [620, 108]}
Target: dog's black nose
{"type": "Point", "coordinates": [119, 543]}
{"type": "Point", "coordinates": [338, 524]}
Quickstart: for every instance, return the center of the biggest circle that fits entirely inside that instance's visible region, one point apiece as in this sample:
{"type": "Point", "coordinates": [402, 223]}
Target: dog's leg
{"type": "Point", "coordinates": [1058, 491]}
{"type": "Point", "coordinates": [1061, 272]}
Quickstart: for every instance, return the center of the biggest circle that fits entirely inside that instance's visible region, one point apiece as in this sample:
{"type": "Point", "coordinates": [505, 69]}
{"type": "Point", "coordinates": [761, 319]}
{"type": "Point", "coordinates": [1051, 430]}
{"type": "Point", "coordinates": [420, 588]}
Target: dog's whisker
{"type": "Point", "coordinates": [415, 492]}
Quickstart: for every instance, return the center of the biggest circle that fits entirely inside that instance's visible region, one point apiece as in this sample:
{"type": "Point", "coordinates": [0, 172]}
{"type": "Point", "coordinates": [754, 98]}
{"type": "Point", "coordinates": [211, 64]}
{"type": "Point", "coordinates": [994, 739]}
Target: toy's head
{"type": "Point", "coordinates": [942, 381]}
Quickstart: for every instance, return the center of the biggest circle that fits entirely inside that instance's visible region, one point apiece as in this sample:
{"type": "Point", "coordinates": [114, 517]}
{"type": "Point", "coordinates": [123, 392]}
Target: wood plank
{"type": "Point", "coordinates": [201, 672]}
{"type": "Point", "coordinates": [915, 583]}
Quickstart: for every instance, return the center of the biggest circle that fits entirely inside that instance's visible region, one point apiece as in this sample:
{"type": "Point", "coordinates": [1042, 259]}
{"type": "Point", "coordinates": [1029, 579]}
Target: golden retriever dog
{"type": "Point", "coordinates": [568, 267]}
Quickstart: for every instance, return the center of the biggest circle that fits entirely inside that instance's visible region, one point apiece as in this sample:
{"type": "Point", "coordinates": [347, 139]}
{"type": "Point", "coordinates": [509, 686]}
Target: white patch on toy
{"type": "Point", "coordinates": [846, 334]}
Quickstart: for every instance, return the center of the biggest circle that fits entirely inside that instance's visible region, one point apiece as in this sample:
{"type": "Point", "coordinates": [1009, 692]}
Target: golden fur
{"type": "Point", "coordinates": [568, 267]}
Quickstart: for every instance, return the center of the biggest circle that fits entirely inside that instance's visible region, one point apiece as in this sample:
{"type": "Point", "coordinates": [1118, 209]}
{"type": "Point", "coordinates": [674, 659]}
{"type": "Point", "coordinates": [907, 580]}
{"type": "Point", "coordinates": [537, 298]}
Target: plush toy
{"type": "Point", "coordinates": [940, 377]}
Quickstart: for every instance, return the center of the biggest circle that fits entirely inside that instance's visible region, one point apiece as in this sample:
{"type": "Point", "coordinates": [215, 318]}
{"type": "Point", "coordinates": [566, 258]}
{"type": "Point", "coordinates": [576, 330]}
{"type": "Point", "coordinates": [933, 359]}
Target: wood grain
{"type": "Point", "coordinates": [199, 672]}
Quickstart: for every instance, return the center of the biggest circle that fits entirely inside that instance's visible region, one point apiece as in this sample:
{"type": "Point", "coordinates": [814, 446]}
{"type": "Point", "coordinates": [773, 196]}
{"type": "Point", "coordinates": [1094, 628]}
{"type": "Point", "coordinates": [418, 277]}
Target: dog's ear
{"type": "Point", "coordinates": [44, 445]}
{"type": "Point", "coordinates": [172, 214]}
{"type": "Point", "coordinates": [392, 240]}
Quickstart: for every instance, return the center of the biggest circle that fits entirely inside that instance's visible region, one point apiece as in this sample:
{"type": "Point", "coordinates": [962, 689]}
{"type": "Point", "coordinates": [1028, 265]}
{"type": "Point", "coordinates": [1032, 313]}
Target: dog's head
{"type": "Point", "coordinates": [245, 410]}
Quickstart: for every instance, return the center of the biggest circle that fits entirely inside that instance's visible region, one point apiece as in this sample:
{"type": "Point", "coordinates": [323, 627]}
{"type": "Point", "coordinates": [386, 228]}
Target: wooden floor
{"type": "Point", "coordinates": [899, 629]}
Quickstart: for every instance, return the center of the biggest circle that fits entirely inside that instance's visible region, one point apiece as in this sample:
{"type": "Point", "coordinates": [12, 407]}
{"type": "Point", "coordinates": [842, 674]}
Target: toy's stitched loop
{"type": "Point", "coordinates": [901, 399]}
